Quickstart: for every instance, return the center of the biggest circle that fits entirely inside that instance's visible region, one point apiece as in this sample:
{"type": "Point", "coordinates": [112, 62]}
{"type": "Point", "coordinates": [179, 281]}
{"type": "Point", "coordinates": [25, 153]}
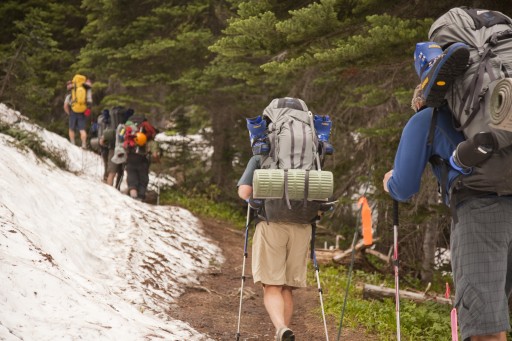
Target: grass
{"type": "Point", "coordinates": [419, 321]}
{"type": "Point", "coordinates": [204, 206]}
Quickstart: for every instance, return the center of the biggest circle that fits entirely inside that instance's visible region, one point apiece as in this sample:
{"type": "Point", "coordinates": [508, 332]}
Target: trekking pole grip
{"type": "Point", "coordinates": [395, 213]}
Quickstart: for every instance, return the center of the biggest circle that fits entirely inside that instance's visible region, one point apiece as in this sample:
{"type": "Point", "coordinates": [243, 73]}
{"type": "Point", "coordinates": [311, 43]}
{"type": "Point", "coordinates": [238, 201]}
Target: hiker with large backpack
{"type": "Point", "coordinates": [480, 193]}
{"type": "Point", "coordinates": [77, 106]}
{"type": "Point", "coordinates": [98, 144]}
{"type": "Point", "coordinates": [112, 139]}
{"type": "Point", "coordinates": [429, 135]}
{"type": "Point", "coordinates": [281, 182]}
{"type": "Point", "coordinates": [141, 148]}
{"type": "Point", "coordinates": [481, 101]}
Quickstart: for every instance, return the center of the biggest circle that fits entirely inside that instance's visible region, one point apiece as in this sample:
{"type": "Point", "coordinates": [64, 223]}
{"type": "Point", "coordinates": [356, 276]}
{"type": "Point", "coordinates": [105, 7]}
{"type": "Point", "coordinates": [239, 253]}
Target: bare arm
{"type": "Point", "coordinates": [244, 191]}
{"type": "Point", "coordinates": [66, 104]}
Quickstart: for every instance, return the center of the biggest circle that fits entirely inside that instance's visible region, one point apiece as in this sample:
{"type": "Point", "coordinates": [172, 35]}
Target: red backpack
{"type": "Point", "coordinates": [147, 129]}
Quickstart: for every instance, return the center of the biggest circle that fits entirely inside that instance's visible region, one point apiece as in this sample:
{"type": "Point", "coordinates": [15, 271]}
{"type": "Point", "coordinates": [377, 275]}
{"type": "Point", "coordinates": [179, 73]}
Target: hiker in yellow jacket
{"type": "Point", "coordinates": [77, 105]}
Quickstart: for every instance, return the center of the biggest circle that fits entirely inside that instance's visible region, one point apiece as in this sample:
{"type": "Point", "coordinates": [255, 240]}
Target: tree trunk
{"type": "Point", "coordinates": [10, 69]}
{"type": "Point", "coordinates": [374, 291]}
{"type": "Point", "coordinates": [223, 128]}
{"type": "Point", "coordinates": [429, 251]}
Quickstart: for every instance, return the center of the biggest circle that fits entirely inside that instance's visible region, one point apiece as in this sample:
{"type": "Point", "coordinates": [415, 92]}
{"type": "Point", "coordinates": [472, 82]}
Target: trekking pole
{"type": "Point", "coordinates": [158, 194]}
{"type": "Point", "coordinates": [453, 315]}
{"type": "Point", "coordinates": [243, 270]}
{"type": "Point", "coordinates": [317, 271]}
{"type": "Point", "coordinates": [120, 176]}
{"type": "Point", "coordinates": [395, 265]}
{"type": "Point", "coordinates": [349, 277]}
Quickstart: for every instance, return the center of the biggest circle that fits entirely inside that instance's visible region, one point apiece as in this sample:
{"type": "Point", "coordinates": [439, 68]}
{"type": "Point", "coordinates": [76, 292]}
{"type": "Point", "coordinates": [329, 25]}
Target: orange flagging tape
{"type": "Point", "coordinates": [366, 218]}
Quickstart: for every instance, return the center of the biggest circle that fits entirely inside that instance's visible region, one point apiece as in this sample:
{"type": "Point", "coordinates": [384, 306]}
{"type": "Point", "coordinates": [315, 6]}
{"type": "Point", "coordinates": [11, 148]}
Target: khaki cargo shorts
{"type": "Point", "coordinates": [280, 253]}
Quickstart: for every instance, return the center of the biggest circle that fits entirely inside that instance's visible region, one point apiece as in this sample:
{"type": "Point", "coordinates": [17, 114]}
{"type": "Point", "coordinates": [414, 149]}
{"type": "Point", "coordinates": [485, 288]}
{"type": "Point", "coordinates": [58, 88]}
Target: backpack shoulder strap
{"type": "Point", "coordinates": [432, 129]}
{"type": "Point", "coordinates": [436, 160]}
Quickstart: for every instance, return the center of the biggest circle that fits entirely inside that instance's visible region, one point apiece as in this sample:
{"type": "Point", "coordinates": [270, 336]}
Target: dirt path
{"type": "Point", "coordinates": [212, 307]}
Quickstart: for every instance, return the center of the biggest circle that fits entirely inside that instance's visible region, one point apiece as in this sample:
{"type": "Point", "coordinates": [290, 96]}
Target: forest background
{"type": "Point", "coordinates": [203, 66]}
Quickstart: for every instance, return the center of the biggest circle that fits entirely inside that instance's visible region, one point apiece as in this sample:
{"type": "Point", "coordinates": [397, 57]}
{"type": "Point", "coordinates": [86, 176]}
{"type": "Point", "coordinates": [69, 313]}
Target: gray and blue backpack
{"type": "Point", "coordinates": [292, 143]}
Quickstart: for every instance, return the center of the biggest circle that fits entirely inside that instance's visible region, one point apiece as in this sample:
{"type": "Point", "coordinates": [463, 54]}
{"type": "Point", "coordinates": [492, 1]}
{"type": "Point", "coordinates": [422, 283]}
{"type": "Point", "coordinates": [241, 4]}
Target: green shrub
{"type": "Point", "coordinates": [204, 205]}
{"type": "Point", "coordinates": [419, 321]}
{"type": "Point", "coordinates": [29, 140]}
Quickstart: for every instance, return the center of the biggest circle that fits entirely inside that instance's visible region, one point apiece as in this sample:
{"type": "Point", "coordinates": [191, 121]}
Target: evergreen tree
{"type": "Point", "coordinates": [38, 38]}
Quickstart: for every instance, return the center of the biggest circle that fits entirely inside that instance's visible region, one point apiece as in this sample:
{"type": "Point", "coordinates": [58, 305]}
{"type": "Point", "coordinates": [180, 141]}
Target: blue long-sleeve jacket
{"type": "Point", "coordinates": [414, 152]}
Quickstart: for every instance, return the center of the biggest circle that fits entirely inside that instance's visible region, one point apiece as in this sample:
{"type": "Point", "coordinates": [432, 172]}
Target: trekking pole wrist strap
{"type": "Point", "coordinates": [455, 165]}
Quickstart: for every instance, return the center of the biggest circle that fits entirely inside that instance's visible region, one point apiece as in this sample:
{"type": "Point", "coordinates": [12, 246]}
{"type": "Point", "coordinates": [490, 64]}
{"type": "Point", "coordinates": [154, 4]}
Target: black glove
{"type": "Point", "coordinates": [327, 206]}
{"type": "Point", "coordinates": [255, 204]}
{"type": "Point", "coordinates": [475, 150]}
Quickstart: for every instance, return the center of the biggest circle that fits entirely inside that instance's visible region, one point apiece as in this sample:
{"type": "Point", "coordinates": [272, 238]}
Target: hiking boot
{"type": "Point", "coordinates": [285, 334]}
{"type": "Point", "coordinates": [438, 69]}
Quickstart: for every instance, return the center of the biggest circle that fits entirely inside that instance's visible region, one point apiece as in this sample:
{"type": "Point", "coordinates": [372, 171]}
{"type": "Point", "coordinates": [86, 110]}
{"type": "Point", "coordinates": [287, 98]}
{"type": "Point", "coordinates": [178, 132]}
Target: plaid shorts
{"type": "Point", "coordinates": [481, 256]}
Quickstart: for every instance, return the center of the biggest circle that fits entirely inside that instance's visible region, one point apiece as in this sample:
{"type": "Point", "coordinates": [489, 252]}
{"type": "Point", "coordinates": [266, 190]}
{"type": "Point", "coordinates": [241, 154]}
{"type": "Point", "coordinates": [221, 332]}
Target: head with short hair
{"type": "Point", "coordinates": [418, 100]}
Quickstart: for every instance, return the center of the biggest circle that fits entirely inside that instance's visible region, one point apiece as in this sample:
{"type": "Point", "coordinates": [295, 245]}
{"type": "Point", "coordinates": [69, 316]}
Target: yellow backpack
{"type": "Point", "coordinates": [79, 94]}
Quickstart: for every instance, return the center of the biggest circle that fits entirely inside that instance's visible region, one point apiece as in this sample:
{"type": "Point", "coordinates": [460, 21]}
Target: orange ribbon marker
{"type": "Point", "coordinates": [366, 219]}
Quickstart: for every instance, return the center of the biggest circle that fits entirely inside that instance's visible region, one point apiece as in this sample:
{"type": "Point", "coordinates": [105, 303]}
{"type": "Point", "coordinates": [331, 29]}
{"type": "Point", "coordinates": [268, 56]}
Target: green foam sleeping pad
{"type": "Point", "coordinates": [501, 104]}
{"type": "Point", "coordinates": [269, 184]}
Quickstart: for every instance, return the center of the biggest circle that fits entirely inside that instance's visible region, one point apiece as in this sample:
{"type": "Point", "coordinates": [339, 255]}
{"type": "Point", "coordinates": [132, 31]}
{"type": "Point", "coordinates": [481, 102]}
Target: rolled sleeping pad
{"type": "Point", "coordinates": [500, 104]}
{"type": "Point", "coordinates": [270, 184]}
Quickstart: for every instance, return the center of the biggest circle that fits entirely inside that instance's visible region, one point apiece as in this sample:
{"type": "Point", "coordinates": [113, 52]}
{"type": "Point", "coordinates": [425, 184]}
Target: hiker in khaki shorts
{"type": "Point", "coordinates": [289, 139]}
{"type": "Point", "coordinates": [279, 260]}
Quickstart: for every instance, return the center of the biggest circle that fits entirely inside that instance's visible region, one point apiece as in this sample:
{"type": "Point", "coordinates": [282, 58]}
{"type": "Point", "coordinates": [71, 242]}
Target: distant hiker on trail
{"type": "Point", "coordinates": [77, 106]}
{"type": "Point", "coordinates": [141, 149]}
{"type": "Point", "coordinates": [104, 123]}
{"type": "Point", "coordinates": [282, 237]}
{"type": "Point", "coordinates": [476, 180]}
{"type": "Point", "coordinates": [112, 138]}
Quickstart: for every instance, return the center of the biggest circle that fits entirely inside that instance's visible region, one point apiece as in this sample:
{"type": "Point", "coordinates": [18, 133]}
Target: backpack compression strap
{"type": "Point", "coordinates": [306, 188]}
{"type": "Point", "coordinates": [286, 194]}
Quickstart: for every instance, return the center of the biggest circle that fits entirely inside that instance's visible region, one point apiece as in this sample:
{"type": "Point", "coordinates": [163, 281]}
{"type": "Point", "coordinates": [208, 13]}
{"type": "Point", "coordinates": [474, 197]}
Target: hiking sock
{"type": "Point", "coordinates": [285, 334]}
{"type": "Point", "coordinates": [442, 71]}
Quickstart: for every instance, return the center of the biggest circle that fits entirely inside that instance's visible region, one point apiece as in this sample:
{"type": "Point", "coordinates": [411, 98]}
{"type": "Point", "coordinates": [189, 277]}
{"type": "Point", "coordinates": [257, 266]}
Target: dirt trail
{"type": "Point", "coordinates": [212, 307]}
